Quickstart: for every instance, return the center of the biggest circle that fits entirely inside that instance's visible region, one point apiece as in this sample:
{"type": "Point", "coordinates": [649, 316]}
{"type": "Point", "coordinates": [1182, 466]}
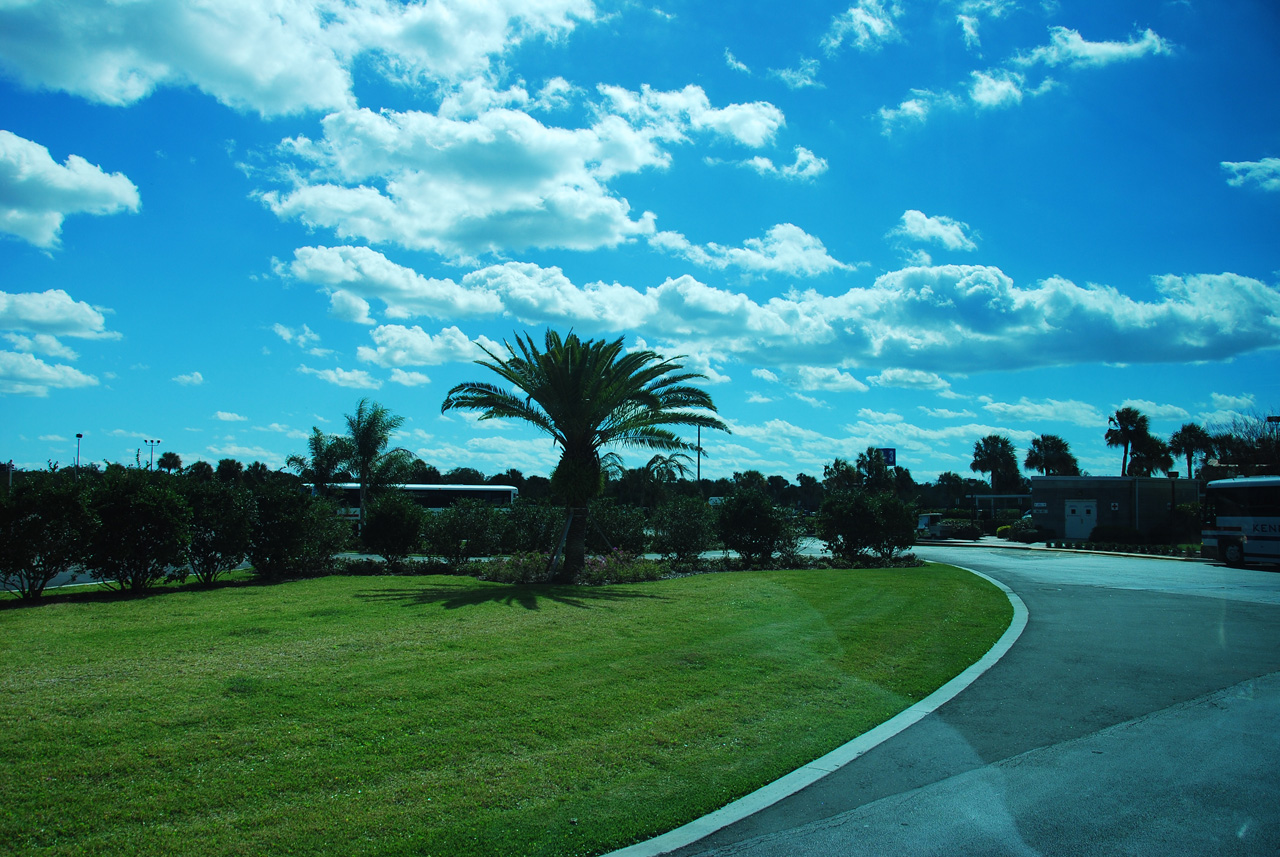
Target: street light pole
{"type": "Point", "coordinates": [78, 436]}
{"type": "Point", "coordinates": [153, 444]}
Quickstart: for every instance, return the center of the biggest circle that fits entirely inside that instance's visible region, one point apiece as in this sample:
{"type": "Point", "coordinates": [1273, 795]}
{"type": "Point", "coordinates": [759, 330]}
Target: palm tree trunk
{"type": "Point", "coordinates": [575, 546]}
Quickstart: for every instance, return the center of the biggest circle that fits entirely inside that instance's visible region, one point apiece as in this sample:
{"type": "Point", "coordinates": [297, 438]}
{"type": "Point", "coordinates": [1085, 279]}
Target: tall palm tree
{"type": "Point", "coordinates": [372, 464]}
{"type": "Point", "coordinates": [1127, 425]}
{"type": "Point", "coordinates": [1189, 441]}
{"type": "Point", "coordinates": [995, 454]}
{"type": "Point", "coordinates": [324, 462]}
{"type": "Point", "coordinates": [662, 470]}
{"type": "Point", "coordinates": [588, 395]}
{"type": "Point", "coordinates": [169, 462]}
{"type": "Point", "coordinates": [1051, 455]}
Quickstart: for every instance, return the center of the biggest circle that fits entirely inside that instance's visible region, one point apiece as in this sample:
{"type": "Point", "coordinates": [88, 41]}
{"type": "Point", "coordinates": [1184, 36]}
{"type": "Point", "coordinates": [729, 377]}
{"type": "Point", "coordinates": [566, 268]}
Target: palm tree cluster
{"type": "Point", "coordinates": [361, 453]}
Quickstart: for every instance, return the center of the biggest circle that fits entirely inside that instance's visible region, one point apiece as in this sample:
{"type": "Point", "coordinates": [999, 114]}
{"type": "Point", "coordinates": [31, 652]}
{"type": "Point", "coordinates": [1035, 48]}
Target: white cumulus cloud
{"type": "Point", "coordinates": [807, 166]}
{"type": "Point", "coordinates": [26, 374]}
{"type": "Point", "coordinates": [785, 249]}
{"type": "Point", "coordinates": [355, 378]}
{"type": "Point", "coordinates": [37, 193]}
{"type": "Point", "coordinates": [866, 25]}
{"type": "Point", "coordinates": [1264, 173]}
{"type": "Point", "coordinates": [272, 58]}
{"type": "Point", "coordinates": [1068, 47]}
{"type": "Point", "coordinates": [191, 379]}
{"type": "Point", "coordinates": [918, 226]}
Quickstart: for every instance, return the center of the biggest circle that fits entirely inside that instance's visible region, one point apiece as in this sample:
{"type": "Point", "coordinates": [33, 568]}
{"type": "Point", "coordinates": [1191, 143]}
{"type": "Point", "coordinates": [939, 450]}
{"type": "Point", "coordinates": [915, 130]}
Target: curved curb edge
{"type": "Point", "coordinates": [771, 793]}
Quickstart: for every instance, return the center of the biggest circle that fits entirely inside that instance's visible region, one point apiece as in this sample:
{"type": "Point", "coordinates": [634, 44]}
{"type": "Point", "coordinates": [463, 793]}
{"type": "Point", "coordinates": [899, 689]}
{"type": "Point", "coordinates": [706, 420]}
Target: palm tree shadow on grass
{"type": "Point", "coordinates": [528, 596]}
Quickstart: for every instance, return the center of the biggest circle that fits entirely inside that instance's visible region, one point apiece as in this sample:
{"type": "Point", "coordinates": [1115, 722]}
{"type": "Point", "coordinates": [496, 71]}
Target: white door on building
{"type": "Point", "coordinates": [1082, 517]}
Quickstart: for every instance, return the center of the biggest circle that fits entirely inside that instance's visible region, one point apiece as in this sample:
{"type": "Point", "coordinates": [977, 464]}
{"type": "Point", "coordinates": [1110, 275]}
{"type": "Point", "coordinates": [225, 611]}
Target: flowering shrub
{"type": "Point", "coordinates": [525, 567]}
{"type": "Point", "coordinates": [618, 566]}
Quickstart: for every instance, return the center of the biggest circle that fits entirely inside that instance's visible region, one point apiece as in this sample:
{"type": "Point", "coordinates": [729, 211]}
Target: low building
{"type": "Point", "coordinates": [1071, 507]}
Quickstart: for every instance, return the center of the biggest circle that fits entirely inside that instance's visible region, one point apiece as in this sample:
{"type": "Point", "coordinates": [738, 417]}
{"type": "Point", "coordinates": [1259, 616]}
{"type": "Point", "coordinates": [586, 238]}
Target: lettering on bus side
{"type": "Point", "coordinates": [1266, 528]}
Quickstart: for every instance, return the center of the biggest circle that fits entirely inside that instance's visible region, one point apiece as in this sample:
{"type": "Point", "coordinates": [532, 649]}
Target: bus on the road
{"type": "Point", "coordinates": [1242, 520]}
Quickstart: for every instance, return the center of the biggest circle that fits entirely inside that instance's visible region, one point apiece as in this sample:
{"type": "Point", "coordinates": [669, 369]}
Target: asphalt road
{"type": "Point", "coordinates": [1138, 713]}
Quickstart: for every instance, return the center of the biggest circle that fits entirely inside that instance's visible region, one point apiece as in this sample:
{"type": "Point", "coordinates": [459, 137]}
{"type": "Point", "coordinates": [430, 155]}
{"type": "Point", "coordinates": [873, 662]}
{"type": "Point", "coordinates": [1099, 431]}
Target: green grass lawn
{"type": "Point", "coordinates": [446, 716]}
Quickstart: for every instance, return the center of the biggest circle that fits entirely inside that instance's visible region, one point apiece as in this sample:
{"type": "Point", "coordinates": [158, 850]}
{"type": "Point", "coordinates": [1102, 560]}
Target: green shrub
{"type": "Point", "coordinates": [683, 529]}
{"type": "Point", "coordinates": [1004, 532]}
{"type": "Point", "coordinates": [221, 525]}
{"type": "Point", "coordinates": [1116, 534]}
{"type": "Point", "coordinates": [464, 531]}
{"type": "Point", "coordinates": [531, 526]}
{"type": "Point", "coordinates": [394, 526]}
{"type": "Point", "coordinates": [960, 528]}
{"type": "Point", "coordinates": [854, 522]}
{"type": "Point", "coordinates": [748, 523]}
{"type": "Point", "coordinates": [522, 567]}
{"type": "Point", "coordinates": [42, 533]}
{"type": "Point", "coordinates": [614, 526]}
{"type": "Point", "coordinates": [142, 528]}
{"type": "Point", "coordinates": [294, 534]}
{"type": "Point", "coordinates": [619, 567]}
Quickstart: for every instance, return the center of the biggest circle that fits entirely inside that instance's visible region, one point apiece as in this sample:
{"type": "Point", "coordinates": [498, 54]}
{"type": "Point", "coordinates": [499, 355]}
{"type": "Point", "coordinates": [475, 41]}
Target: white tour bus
{"type": "Point", "coordinates": [1242, 520]}
{"type": "Point", "coordinates": [347, 495]}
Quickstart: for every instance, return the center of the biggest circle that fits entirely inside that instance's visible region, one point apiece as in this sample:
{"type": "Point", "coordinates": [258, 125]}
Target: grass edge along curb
{"type": "Point", "coordinates": [805, 776]}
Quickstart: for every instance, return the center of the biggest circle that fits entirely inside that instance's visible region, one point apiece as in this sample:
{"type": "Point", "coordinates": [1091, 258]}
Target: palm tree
{"type": "Point", "coordinates": [1051, 455]}
{"type": "Point", "coordinates": [169, 462]}
{"type": "Point", "coordinates": [588, 395]}
{"type": "Point", "coordinates": [1127, 425]}
{"type": "Point", "coordinates": [1148, 455]}
{"type": "Point", "coordinates": [665, 469]}
{"type": "Point", "coordinates": [323, 464]}
{"type": "Point", "coordinates": [372, 464]}
{"type": "Point", "coordinates": [995, 454]}
{"type": "Point", "coordinates": [1189, 441]}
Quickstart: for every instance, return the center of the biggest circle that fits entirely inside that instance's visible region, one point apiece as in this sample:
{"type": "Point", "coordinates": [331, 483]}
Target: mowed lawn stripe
{"type": "Point", "coordinates": [442, 715]}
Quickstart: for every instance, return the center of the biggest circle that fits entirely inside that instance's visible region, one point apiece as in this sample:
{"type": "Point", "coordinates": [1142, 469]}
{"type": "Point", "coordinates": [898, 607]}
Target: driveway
{"type": "Point", "coordinates": [1138, 713]}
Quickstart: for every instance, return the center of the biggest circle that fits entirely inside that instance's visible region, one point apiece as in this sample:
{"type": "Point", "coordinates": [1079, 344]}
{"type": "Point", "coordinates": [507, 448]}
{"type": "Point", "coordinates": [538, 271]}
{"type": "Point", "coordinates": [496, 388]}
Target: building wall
{"type": "Point", "coordinates": [1123, 501]}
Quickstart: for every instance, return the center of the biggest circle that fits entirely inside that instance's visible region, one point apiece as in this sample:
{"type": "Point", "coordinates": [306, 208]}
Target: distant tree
{"type": "Point", "coordinates": [229, 470]}
{"type": "Point", "coordinates": [372, 464]}
{"type": "Point", "coordinates": [43, 523]}
{"type": "Point", "coordinates": [1188, 442]}
{"type": "Point", "coordinates": [663, 470]}
{"type": "Point", "coordinates": [952, 486]}
{"type": "Point", "coordinates": [1126, 426]}
{"type": "Point", "coordinates": [1249, 444]}
{"type": "Point", "coordinates": [257, 473]}
{"type": "Point", "coordinates": [201, 471]}
{"type": "Point", "coordinates": [421, 473]}
{"type": "Point", "coordinates": [510, 476]}
{"type": "Point", "coordinates": [996, 455]}
{"type": "Point", "coordinates": [751, 479]}
{"type": "Point", "coordinates": [221, 526]}
{"type": "Point", "coordinates": [324, 463]}
{"type": "Point", "coordinates": [169, 462]}
{"type": "Point", "coordinates": [1051, 455]}
{"type": "Point", "coordinates": [1147, 454]}
{"type": "Point", "coordinates": [464, 476]}
{"type": "Point", "coordinates": [809, 492]}
{"type": "Point", "coordinates": [840, 475]}
{"type": "Point", "coordinates": [142, 528]}
{"type": "Point", "coordinates": [875, 473]}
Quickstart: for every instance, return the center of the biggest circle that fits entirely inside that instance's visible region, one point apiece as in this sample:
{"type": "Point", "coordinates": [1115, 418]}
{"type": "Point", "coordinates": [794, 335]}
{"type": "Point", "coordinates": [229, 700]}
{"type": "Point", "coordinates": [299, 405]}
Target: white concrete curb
{"type": "Point", "coordinates": [798, 779]}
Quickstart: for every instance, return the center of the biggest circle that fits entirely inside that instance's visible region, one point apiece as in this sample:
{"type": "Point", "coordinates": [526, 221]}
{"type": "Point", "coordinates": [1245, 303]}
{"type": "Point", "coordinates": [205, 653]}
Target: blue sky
{"type": "Point", "coordinates": [888, 224]}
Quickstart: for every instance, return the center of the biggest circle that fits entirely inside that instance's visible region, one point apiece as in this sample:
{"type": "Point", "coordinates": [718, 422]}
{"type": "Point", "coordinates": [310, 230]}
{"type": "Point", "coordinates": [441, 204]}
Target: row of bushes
{"type": "Point", "coordinates": [133, 529]}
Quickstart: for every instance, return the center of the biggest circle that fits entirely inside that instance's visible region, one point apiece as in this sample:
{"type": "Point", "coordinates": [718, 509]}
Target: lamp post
{"type": "Point", "coordinates": [78, 436]}
{"type": "Point", "coordinates": [152, 444]}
